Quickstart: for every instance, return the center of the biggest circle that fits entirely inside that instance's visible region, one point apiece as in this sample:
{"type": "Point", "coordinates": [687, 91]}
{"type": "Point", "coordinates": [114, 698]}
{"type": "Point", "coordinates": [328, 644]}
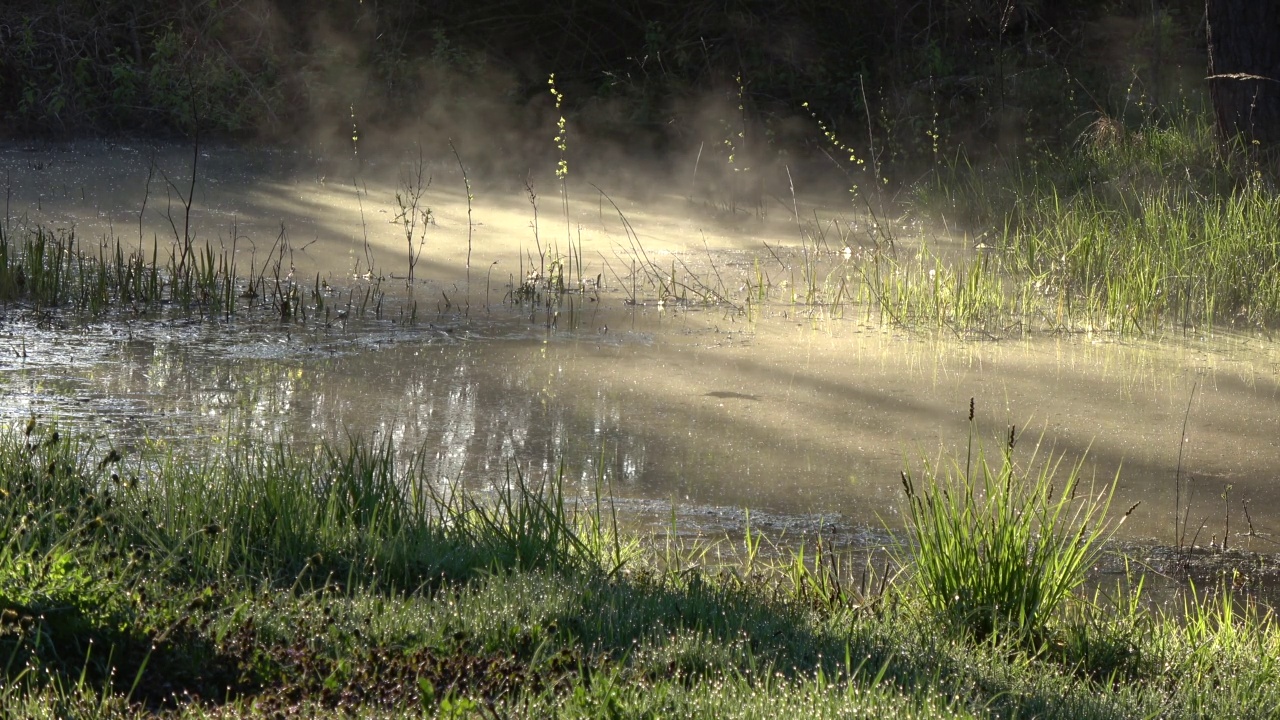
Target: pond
{"type": "Point", "coordinates": [803, 414]}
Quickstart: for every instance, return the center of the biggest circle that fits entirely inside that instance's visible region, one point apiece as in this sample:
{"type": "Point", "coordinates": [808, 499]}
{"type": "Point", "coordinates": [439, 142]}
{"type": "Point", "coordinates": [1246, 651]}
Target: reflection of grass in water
{"type": "Point", "coordinates": [337, 581]}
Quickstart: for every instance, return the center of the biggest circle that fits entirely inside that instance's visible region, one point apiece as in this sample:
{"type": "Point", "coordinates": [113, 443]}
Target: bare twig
{"type": "Point", "coordinates": [467, 183]}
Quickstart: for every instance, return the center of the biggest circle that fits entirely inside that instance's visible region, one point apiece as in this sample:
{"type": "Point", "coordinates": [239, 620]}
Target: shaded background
{"type": "Point", "coordinates": [908, 81]}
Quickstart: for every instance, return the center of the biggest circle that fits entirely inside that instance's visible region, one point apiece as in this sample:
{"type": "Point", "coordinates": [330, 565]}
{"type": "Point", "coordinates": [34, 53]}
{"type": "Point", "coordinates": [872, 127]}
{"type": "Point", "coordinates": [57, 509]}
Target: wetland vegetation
{"type": "Point", "coordinates": [1089, 198]}
{"type": "Point", "coordinates": [265, 583]}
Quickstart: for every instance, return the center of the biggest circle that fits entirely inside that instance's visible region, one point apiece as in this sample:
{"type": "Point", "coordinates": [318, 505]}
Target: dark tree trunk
{"type": "Point", "coordinates": [1244, 68]}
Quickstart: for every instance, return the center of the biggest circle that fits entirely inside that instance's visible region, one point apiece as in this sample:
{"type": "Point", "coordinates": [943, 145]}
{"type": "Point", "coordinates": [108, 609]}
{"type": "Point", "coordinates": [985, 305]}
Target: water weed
{"type": "Point", "coordinates": [414, 216]}
{"type": "Point", "coordinates": [50, 271]}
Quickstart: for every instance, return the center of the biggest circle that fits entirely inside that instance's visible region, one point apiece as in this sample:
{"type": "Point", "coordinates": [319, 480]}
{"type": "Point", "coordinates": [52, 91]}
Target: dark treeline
{"type": "Point", "coordinates": [962, 70]}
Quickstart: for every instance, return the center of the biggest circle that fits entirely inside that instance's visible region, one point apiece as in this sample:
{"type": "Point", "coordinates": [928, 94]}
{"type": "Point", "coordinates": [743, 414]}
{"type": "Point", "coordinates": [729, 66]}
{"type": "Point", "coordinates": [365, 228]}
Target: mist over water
{"type": "Point", "coordinates": [786, 409]}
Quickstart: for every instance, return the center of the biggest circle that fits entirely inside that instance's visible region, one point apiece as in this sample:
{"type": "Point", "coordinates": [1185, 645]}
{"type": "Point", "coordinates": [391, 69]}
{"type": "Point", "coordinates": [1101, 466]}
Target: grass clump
{"type": "Point", "coordinates": [997, 551]}
{"type": "Point", "coordinates": [925, 290]}
{"type": "Point", "coordinates": [355, 514]}
{"type": "Point", "coordinates": [49, 269]}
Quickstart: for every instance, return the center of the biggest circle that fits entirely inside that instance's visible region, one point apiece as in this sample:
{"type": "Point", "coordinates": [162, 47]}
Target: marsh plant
{"type": "Point", "coordinates": [879, 229]}
{"type": "Point", "coordinates": [735, 148]}
{"type": "Point", "coordinates": [466, 182]}
{"type": "Point", "coordinates": [50, 269]}
{"type": "Point", "coordinates": [1132, 230]}
{"type": "Point", "coordinates": [998, 549]}
{"type": "Point", "coordinates": [413, 214]}
{"type": "Point", "coordinates": [561, 141]}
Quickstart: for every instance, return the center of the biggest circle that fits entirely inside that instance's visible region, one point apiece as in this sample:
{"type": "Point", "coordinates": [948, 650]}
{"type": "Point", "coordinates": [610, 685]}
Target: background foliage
{"type": "Point", "coordinates": [960, 70]}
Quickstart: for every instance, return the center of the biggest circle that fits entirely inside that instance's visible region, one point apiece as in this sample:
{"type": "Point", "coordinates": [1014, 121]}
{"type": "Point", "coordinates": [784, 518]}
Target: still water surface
{"type": "Point", "coordinates": [791, 413]}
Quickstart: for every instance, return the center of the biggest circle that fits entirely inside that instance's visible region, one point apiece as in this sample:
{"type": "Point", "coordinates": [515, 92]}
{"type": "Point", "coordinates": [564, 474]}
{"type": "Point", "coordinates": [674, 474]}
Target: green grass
{"type": "Point", "coordinates": [53, 271]}
{"type": "Point", "coordinates": [265, 582]}
{"type": "Point", "coordinates": [1140, 229]}
{"type": "Point", "coordinates": [1163, 258]}
{"type": "Point", "coordinates": [999, 550]}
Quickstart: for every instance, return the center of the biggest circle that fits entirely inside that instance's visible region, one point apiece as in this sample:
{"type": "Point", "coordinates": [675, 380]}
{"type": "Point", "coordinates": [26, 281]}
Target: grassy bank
{"type": "Point", "coordinates": [265, 582]}
{"type": "Point", "coordinates": [1146, 228]}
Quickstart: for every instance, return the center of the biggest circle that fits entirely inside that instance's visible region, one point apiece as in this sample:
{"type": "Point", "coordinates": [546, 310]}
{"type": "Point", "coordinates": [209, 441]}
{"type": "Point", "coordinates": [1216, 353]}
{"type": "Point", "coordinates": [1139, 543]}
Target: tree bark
{"type": "Point", "coordinates": [1244, 69]}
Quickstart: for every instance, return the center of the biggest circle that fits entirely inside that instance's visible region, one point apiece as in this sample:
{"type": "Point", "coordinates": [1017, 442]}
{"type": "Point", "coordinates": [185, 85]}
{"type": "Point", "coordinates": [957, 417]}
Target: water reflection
{"type": "Point", "coordinates": [785, 417]}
